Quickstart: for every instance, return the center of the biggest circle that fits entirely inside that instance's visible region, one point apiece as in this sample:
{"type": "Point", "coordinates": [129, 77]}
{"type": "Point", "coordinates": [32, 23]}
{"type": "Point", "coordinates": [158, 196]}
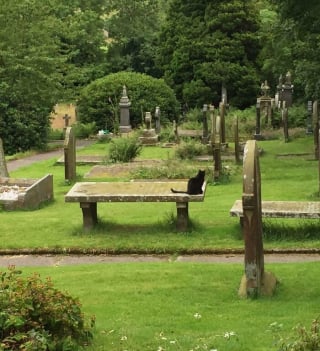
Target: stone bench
{"type": "Point", "coordinates": [282, 209]}
{"type": "Point", "coordinates": [88, 194]}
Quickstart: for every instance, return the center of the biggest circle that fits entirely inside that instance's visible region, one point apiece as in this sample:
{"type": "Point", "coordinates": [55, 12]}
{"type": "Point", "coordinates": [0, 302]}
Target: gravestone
{"type": "Point", "coordinates": [3, 165]}
{"type": "Point", "coordinates": [217, 149]}
{"type": "Point", "coordinates": [236, 139]}
{"type": "Point", "coordinates": [315, 120]}
{"type": "Point", "coordinates": [205, 131]}
{"type": "Point", "coordinates": [284, 114]}
{"type": "Point", "coordinates": [149, 136]}
{"type": "Point", "coordinates": [66, 118]}
{"type": "Point", "coordinates": [124, 105]}
{"type": "Point", "coordinates": [255, 281]}
{"type": "Point", "coordinates": [285, 90]}
{"type": "Point", "coordinates": [222, 113]}
{"type": "Point", "coordinates": [257, 135]}
{"type": "Point", "coordinates": [309, 118]}
{"type": "Point", "coordinates": [157, 115]}
{"type": "Point", "coordinates": [69, 155]}
{"type": "Point", "coordinates": [265, 102]}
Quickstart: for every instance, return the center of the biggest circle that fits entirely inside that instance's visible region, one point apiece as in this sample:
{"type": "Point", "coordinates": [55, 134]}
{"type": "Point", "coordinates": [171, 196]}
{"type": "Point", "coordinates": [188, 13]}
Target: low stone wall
{"type": "Point", "coordinates": [33, 192]}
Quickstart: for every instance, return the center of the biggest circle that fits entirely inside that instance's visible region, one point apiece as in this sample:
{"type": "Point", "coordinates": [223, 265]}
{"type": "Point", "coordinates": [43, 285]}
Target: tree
{"type": "Point", "coordinates": [132, 28]}
{"type": "Point", "coordinates": [208, 44]}
{"type": "Point", "coordinates": [301, 21]}
{"type": "Point", "coordinates": [47, 49]}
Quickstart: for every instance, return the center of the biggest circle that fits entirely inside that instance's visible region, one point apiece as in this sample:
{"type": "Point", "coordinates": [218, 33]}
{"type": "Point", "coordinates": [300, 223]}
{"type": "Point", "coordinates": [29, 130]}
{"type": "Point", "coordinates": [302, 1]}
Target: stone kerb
{"type": "Point", "coordinates": [255, 280]}
{"type": "Point", "coordinates": [3, 165]}
{"type": "Point", "coordinates": [69, 155]}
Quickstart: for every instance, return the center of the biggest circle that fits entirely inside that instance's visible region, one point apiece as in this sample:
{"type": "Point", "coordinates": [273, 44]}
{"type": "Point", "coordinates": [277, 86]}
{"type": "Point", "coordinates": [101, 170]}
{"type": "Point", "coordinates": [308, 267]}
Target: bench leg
{"type": "Point", "coordinates": [182, 216]}
{"type": "Point", "coordinates": [89, 213]}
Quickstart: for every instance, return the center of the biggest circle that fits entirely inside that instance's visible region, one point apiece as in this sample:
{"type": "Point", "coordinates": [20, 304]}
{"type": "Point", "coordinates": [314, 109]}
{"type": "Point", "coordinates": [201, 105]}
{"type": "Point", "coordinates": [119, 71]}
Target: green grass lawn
{"type": "Point", "coordinates": [149, 227]}
{"type": "Point", "coordinates": [187, 306]}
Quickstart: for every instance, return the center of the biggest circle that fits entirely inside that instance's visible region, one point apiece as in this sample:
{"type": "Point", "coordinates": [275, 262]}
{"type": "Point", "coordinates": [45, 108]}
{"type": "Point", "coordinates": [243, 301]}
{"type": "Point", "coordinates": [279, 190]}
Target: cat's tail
{"type": "Point", "coordinates": [178, 191]}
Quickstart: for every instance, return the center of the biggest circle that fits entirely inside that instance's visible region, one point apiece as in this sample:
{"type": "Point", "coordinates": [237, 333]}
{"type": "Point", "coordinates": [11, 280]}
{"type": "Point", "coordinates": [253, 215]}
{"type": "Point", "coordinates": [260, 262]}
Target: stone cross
{"type": "Point", "coordinates": [124, 105]}
{"type": "Point", "coordinates": [69, 155]}
{"type": "Point", "coordinates": [255, 280]}
{"type": "Point", "coordinates": [3, 165]}
{"type": "Point", "coordinates": [66, 118]}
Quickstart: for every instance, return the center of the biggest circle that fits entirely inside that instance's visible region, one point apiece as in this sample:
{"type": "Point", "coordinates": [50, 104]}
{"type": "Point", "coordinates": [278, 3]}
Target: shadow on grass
{"type": "Point", "coordinates": [165, 226]}
{"type": "Point", "coordinates": [301, 230]}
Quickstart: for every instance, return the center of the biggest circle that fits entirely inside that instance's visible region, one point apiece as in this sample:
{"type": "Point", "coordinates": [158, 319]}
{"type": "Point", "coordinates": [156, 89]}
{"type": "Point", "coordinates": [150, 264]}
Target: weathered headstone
{"type": "Point", "coordinates": [124, 105]}
{"type": "Point", "coordinates": [205, 131]}
{"type": "Point", "coordinates": [66, 118]}
{"type": "Point", "coordinates": [3, 165]}
{"type": "Point", "coordinates": [284, 113]}
{"type": "Point", "coordinates": [315, 120]}
{"type": "Point", "coordinates": [265, 102]}
{"type": "Point", "coordinates": [255, 280]}
{"type": "Point", "coordinates": [149, 136]}
{"type": "Point", "coordinates": [157, 115]}
{"type": "Point", "coordinates": [236, 139]}
{"type": "Point", "coordinates": [287, 90]}
{"type": "Point", "coordinates": [222, 113]}
{"type": "Point", "coordinates": [217, 149]}
{"type": "Point", "coordinates": [69, 155]}
{"type": "Point", "coordinates": [309, 118]}
{"type": "Point", "coordinates": [257, 135]}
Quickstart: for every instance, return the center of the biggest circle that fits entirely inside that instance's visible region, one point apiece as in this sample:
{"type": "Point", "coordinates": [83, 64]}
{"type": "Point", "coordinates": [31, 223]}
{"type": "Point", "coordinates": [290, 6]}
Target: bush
{"type": "Point", "coordinates": [84, 130]}
{"type": "Point", "coordinates": [99, 101]}
{"type": "Point", "coordinates": [36, 316]}
{"type": "Point", "coordinates": [190, 150]}
{"type": "Point", "coordinates": [124, 149]}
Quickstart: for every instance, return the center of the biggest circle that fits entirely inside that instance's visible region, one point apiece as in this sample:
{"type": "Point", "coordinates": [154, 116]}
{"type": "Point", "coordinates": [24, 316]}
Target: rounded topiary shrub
{"type": "Point", "coordinates": [99, 101]}
{"type": "Point", "coordinates": [36, 316]}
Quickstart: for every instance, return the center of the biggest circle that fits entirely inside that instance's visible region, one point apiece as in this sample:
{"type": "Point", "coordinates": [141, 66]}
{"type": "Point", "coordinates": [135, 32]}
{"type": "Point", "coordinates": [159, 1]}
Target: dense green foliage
{"type": "Point", "coordinates": [205, 45]}
{"type": "Point", "coordinates": [99, 101]}
{"type": "Point", "coordinates": [124, 149]}
{"type": "Point", "coordinates": [47, 51]}
{"type": "Point", "coordinates": [34, 315]}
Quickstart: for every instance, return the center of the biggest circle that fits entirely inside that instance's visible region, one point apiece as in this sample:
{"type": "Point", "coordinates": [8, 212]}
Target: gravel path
{"type": "Point", "coordinates": [63, 260]}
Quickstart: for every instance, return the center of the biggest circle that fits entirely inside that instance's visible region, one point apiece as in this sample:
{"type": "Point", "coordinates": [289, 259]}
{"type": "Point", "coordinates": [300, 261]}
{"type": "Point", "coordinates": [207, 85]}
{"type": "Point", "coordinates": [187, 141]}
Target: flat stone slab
{"type": "Point", "coordinates": [282, 209]}
{"type": "Point", "coordinates": [139, 191]}
{"type": "Point", "coordinates": [85, 159]}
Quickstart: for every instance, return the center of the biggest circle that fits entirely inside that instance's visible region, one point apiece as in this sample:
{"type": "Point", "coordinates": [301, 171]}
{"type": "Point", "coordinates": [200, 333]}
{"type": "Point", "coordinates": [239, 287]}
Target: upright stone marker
{"type": "Point", "coordinates": [236, 139]}
{"type": "Point", "coordinates": [3, 165]}
{"type": "Point", "coordinates": [315, 119]}
{"type": "Point", "coordinates": [69, 155]}
{"type": "Point", "coordinates": [257, 134]}
{"type": "Point", "coordinates": [205, 131]}
{"type": "Point", "coordinates": [157, 115]}
{"type": "Point", "coordinates": [309, 118]}
{"type": "Point", "coordinates": [255, 280]}
{"type": "Point", "coordinates": [284, 113]}
{"type": "Point", "coordinates": [222, 112]}
{"type": "Point", "coordinates": [124, 105]}
{"type": "Point", "coordinates": [217, 149]}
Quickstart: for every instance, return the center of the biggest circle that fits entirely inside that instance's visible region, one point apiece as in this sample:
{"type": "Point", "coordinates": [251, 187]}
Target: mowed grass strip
{"type": "Point", "coordinates": [187, 306]}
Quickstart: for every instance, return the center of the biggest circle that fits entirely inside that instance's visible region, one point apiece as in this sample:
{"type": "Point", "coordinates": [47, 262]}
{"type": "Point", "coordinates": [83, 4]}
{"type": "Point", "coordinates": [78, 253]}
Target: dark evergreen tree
{"type": "Point", "coordinates": [207, 44]}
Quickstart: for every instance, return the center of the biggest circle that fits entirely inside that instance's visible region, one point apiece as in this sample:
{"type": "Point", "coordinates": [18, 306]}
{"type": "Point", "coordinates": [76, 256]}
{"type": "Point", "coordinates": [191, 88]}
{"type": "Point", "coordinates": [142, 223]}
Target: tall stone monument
{"type": "Point", "coordinates": [285, 90]}
{"type": "Point", "coordinates": [124, 105]}
{"type": "Point", "coordinates": [3, 166]}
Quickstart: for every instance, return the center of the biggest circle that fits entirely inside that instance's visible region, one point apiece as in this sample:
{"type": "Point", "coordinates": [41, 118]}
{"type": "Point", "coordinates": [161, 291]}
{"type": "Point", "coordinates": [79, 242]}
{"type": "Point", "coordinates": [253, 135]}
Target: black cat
{"type": "Point", "coordinates": [194, 184]}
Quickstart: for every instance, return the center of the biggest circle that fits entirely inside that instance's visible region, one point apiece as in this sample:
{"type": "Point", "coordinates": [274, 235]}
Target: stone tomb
{"type": "Point", "coordinates": [25, 193]}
